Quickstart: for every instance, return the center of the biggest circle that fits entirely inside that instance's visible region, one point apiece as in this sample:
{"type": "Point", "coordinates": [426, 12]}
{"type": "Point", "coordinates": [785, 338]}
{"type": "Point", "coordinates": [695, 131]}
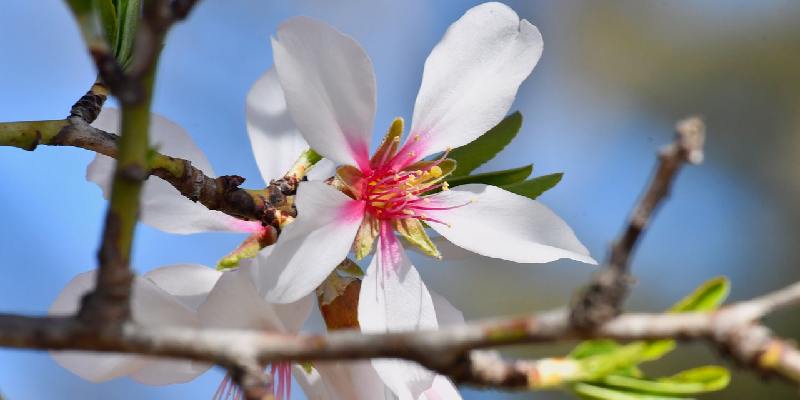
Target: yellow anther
{"type": "Point", "coordinates": [436, 171]}
{"type": "Point", "coordinates": [416, 137]}
{"type": "Point", "coordinates": [373, 183]}
{"type": "Point", "coordinates": [446, 186]}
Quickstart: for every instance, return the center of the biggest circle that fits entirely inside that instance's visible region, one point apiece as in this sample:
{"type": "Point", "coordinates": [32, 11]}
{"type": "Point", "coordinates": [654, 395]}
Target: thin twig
{"type": "Point", "coordinates": [602, 298]}
{"type": "Point", "coordinates": [223, 193]}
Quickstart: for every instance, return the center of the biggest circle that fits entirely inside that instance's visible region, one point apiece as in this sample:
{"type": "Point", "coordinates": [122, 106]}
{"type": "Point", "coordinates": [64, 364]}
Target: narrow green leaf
{"type": "Point", "coordinates": [108, 17]}
{"type": "Point", "coordinates": [80, 7]}
{"type": "Point", "coordinates": [707, 297]}
{"type": "Point", "coordinates": [596, 392]}
{"type": "Point", "coordinates": [533, 188]}
{"type": "Point", "coordinates": [713, 377]}
{"type": "Point", "coordinates": [592, 348]}
{"type": "Point", "coordinates": [128, 14]}
{"type": "Point", "coordinates": [621, 358]}
{"type": "Point", "coordinates": [689, 382]}
{"type": "Point", "coordinates": [474, 154]}
{"type": "Point", "coordinates": [494, 178]}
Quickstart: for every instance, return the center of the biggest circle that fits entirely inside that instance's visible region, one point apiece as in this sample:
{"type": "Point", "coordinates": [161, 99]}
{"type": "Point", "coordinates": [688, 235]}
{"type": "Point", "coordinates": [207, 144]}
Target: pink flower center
{"type": "Point", "coordinates": [281, 384]}
{"type": "Point", "coordinates": [392, 194]}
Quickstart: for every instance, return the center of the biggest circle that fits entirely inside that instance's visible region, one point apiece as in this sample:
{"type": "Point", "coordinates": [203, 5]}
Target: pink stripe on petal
{"type": "Point", "coordinates": [360, 153]}
{"type": "Point", "coordinates": [432, 394]}
{"type": "Point", "coordinates": [391, 249]}
{"type": "Point", "coordinates": [352, 211]}
{"type": "Point", "coordinates": [246, 226]}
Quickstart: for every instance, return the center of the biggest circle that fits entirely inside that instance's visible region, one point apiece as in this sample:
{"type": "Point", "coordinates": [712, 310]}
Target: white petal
{"type": "Point", "coordinates": [273, 135]}
{"type": "Point", "coordinates": [294, 315]}
{"type": "Point", "coordinates": [471, 77]}
{"type": "Point", "coordinates": [442, 389]}
{"type": "Point", "coordinates": [496, 223]}
{"type": "Point", "coordinates": [188, 283]}
{"type": "Point", "coordinates": [446, 313]}
{"type": "Point", "coordinates": [98, 367]}
{"type": "Point", "coordinates": [153, 306]}
{"type": "Point", "coordinates": [447, 249]}
{"type": "Point", "coordinates": [394, 298]}
{"type": "Point", "coordinates": [322, 170]}
{"type": "Point", "coordinates": [309, 248]}
{"type": "Point", "coordinates": [159, 372]}
{"type": "Point", "coordinates": [312, 384]}
{"type": "Point", "coordinates": [340, 381]}
{"type": "Point", "coordinates": [330, 88]}
{"type": "Point", "coordinates": [234, 303]}
{"type": "Point", "coordinates": [95, 367]}
{"type": "Point", "coordinates": [163, 207]}
{"type": "Point", "coordinates": [150, 306]}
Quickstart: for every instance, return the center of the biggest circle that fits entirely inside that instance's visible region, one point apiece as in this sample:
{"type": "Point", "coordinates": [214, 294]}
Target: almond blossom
{"type": "Point", "coordinates": [191, 296]}
{"type": "Point", "coordinates": [166, 296]}
{"type": "Point", "coordinates": [358, 380]}
{"type": "Point", "coordinates": [469, 82]}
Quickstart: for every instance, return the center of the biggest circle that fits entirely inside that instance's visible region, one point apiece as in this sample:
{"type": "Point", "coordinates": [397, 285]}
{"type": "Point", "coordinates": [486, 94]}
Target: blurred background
{"type": "Point", "coordinates": [613, 79]}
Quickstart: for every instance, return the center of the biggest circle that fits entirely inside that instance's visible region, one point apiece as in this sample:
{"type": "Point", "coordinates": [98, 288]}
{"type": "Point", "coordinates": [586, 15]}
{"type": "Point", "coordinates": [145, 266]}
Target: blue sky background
{"type": "Point", "coordinates": [613, 79]}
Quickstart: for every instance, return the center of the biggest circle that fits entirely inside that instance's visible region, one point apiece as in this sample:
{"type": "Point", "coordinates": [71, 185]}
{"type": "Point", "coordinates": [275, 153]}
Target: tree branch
{"type": "Point", "coordinates": [732, 329]}
{"type": "Point", "coordinates": [602, 298]}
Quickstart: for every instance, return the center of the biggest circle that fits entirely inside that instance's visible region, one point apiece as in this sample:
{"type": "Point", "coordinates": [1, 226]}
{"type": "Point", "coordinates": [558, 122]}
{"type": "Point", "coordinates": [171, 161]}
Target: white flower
{"type": "Point", "coordinates": [274, 140]}
{"type": "Point", "coordinates": [237, 302]}
{"type": "Point", "coordinates": [167, 296]}
{"type": "Point", "coordinates": [470, 80]}
{"type": "Point", "coordinates": [183, 295]}
{"type": "Point", "coordinates": [358, 380]}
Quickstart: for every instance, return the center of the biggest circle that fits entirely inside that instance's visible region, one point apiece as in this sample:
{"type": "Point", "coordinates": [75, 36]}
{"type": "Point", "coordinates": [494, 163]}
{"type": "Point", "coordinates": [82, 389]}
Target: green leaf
{"type": "Point", "coordinates": [617, 360]}
{"type": "Point", "coordinates": [713, 377]}
{"type": "Point", "coordinates": [592, 348]}
{"type": "Point", "coordinates": [474, 154]}
{"type": "Point", "coordinates": [532, 188]}
{"type": "Point", "coordinates": [707, 297]}
{"type": "Point", "coordinates": [80, 7]}
{"type": "Point", "coordinates": [108, 17]}
{"type": "Point", "coordinates": [596, 392]}
{"type": "Point", "coordinates": [694, 381]}
{"type": "Point", "coordinates": [494, 178]}
{"type": "Point", "coordinates": [128, 14]}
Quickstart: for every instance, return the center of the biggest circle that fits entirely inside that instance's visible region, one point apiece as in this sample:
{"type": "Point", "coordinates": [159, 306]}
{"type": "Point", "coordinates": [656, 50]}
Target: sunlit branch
{"type": "Point", "coordinates": [447, 350]}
